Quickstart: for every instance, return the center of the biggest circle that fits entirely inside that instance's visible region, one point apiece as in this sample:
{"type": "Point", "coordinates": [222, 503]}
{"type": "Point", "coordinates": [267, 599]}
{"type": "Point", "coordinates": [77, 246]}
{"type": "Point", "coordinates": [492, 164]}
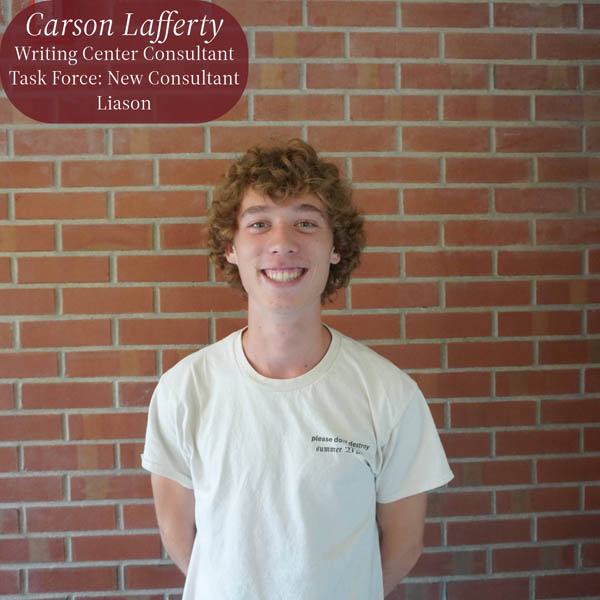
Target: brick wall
{"type": "Point", "coordinates": [471, 131]}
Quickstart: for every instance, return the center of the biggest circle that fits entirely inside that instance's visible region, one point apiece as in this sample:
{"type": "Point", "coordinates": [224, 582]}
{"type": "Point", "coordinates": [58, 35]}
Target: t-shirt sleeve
{"type": "Point", "coordinates": [413, 459]}
{"type": "Point", "coordinates": [164, 453]}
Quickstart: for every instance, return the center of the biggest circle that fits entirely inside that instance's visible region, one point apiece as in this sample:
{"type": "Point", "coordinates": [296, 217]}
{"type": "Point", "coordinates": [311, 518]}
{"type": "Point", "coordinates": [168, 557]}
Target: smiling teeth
{"type": "Point", "coordinates": [283, 274]}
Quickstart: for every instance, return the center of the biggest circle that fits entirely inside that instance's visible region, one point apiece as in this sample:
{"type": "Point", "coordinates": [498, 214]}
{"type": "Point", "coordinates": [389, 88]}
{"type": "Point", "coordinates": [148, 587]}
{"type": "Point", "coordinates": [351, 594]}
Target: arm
{"type": "Point", "coordinates": [174, 506]}
{"type": "Point", "coordinates": [401, 525]}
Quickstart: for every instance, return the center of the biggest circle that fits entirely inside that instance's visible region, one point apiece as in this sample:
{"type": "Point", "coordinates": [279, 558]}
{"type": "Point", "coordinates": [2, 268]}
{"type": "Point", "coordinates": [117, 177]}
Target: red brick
{"type": "Point", "coordinates": [533, 559]}
{"type": "Point", "coordinates": [593, 321]}
{"type": "Point", "coordinates": [538, 139]}
{"type": "Point", "coordinates": [158, 140]}
{"type": "Point", "coordinates": [350, 76]}
{"type": "Point", "coordinates": [365, 327]}
{"type": "Point", "coordinates": [273, 76]}
{"type": "Point", "coordinates": [567, 46]}
{"type": "Point", "coordinates": [36, 550]}
{"type": "Point", "coordinates": [445, 139]}
{"type": "Point", "coordinates": [396, 169]}
{"type": "Point", "coordinates": [456, 562]}
{"type": "Point", "coordinates": [537, 499]}
{"type": "Point", "coordinates": [109, 363]}
{"type": "Point", "coordinates": [568, 527]}
{"type": "Point", "coordinates": [392, 107]}
{"type": "Point", "coordinates": [592, 135]}
{"type": "Point", "coordinates": [487, 45]}
{"type": "Point", "coordinates": [536, 200]}
{"type": "Point", "coordinates": [107, 237]}
{"type": "Point", "coordinates": [446, 201]}
{"type": "Point", "coordinates": [3, 206]}
{"type": "Point", "coordinates": [264, 12]}
{"type": "Point", "coordinates": [26, 238]}
{"type": "Point", "coordinates": [70, 518]}
{"type": "Point", "coordinates": [108, 300]}
{"type": "Point", "coordinates": [535, 323]}
{"type": "Point", "coordinates": [72, 579]}
{"type": "Point", "coordinates": [5, 270]}
{"type": "Point", "coordinates": [591, 555]}
{"type": "Point", "coordinates": [394, 295]}
{"type": "Point", "coordinates": [493, 414]}
{"type": "Point", "coordinates": [139, 516]}
{"type": "Point", "coordinates": [456, 504]}
{"type": "Point", "coordinates": [29, 301]}
{"type": "Point", "coordinates": [350, 138]}
{"type": "Point", "coordinates": [584, 410]}
{"type": "Point", "coordinates": [80, 332]}
{"type": "Point", "coordinates": [540, 262]}
{"type": "Point", "coordinates": [102, 487]}
{"type": "Point", "coordinates": [192, 171]}
{"type": "Point", "coordinates": [411, 356]}
{"type": "Point", "coordinates": [569, 169]}
{"type": "Point", "coordinates": [31, 489]}
{"type": "Point", "coordinates": [592, 497]}
{"type": "Point", "coordinates": [444, 14]}
{"type": "Point", "coordinates": [448, 263]}
{"type": "Point", "coordinates": [487, 293]}
{"type": "Point", "coordinates": [569, 351]}
{"type": "Point", "coordinates": [448, 325]}
{"type": "Point", "coordinates": [466, 445]}
{"type": "Point", "coordinates": [26, 174]}
{"type": "Point", "coordinates": [535, 15]}
{"type": "Point", "coordinates": [129, 454]}
{"type": "Point", "coordinates": [157, 204]}
{"type": "Point", "coordinates": [238, 139]}
{"type": "Point", "coordinates": [153, 576]}
{"type": "Point", "coordinates": [486, 108]}
{"type": "Point", "coordinates": [10, 583]}
{"type": "Point", "coordinates": [103, 173]}
{"type": "Point", "coordinates": [567, 231]}
{"type": "Point", "coordinates": [338, 13]}
{"type": "Point", "coordinates": [555, 470]}
{"type": "Point", "coordinates": [102, 426]}
{"type": "Point", "coordinates": [486, 233]}
{"type": "Point", "coordinates": [567, 108]}
{"type": "Point", "coordinates": [299, 44]}
{"type": "Point", "coordinates": [487, 170]}
{"type": "Point", "coordinates": [299, 107]}
{"type": "Point", "coordinates": [6, 335]}
{"type": "Point", "coordinates": [163, 331]}
{"type": "Point", "coordinates": [9, 521]}
{"type": "Point", "coordinates": [452, 76]}
{"type": "Point", "coordinates": [7, 400]}
{"type": "Point", "coordinates": [378, 264]}
{"type": "Point", "coordinates": [535, 77]}
{"type": "Point", "coordinates": [578, 585]}
{"type": "Point", "coordinates": [135, 393]}
{"type": "Point", "coordinates": [454, 385]}
{"type": "Point", "coordinates": [162, 268]}
{"type": "Point", "coordinates": [402, 233]}
{"type": "Point", "coordinates": [573, 291]}
{"type": "Point", "coordinates": [201, 299]}
{"type": "Point", "coordinates": [498, 531]}
{"type": "Point", "coordinates": [592, 380]}
{"type": "Point", "coordinates": [491, 473]}
{"type": "Point", "coordinates": [8, 460]}
{"type": "Point", "coordinates": [31, 427]}
{"type": "Point", "coordinates": [591, 77]}
{"type": "Point", "coordinates": [28, 364]}
{"type": "Point", "coordinates": [537, 442]}
{"type": "Point", "coordinates": [59, 141]}
{"type": "Point", "coordinates": [69, 457]}
{"type": "Point", "coordinates": [116, 547]}
{"type": "Point", "coordinates": [591, 439]}
{"type": "Point", "coordinates": [63, 269]}
{"type": "Point", "coordinates": [490, 589]}
{"type": "Point", "coordinates": [61, 205]}
{"type": "Point", "coordinates": [591, 16]}
{"type": "Point", "coordinates": [183, 236]}
{"type": "Point", "coordinates": [66, 395]}
{"type": "Point", "coordinates": [394, 45]}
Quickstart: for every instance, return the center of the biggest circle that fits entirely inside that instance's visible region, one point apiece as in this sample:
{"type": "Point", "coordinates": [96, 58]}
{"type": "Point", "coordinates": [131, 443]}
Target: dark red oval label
{"type": "Point", "coordinates": [124, 61]}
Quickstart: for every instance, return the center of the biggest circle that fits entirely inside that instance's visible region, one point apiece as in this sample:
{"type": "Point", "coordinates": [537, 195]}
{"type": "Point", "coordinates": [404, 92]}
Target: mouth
{"type": "Point", "coordinates": [284, 275]}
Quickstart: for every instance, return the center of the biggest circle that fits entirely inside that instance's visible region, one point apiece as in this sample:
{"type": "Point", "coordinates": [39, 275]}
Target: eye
{"type": "Point", "coordinates": [258, 225]}
{"type": "Point", "coordinates": [307, 224]}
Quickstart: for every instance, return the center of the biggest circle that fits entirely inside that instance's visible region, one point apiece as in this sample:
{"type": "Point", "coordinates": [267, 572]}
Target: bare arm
{"type": "Point", "coordinates": [174, 506]}
{"type": "Point", "coordinates": [401, 526]}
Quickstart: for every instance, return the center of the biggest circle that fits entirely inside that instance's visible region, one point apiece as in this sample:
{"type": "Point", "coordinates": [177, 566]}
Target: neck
{"type": "Point", "coordinates": [285, 346]}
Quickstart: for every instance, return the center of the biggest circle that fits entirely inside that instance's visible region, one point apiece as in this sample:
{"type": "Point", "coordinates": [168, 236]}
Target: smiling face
{"type": "Point", "coordinates": [282, 250]}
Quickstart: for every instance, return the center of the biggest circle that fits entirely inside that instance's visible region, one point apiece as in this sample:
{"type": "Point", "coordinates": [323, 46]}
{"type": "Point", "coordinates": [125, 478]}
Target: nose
{"type": "Point", "coordinates": [282, 240]}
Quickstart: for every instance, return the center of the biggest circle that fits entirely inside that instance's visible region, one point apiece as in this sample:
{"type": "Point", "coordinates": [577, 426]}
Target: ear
{"type": "Point", "coordinates": [335, 258]}
{"type": "Point", "coordinates": [230, 254]}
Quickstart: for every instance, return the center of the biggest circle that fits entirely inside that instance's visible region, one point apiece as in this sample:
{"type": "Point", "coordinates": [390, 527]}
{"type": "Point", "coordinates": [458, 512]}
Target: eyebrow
{"type": "Point", "coordinates": [263, 208]}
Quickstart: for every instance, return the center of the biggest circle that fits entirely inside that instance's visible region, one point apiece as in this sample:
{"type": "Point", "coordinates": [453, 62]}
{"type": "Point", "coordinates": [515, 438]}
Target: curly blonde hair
{"type": "Point", "coordinates": [280, 172]}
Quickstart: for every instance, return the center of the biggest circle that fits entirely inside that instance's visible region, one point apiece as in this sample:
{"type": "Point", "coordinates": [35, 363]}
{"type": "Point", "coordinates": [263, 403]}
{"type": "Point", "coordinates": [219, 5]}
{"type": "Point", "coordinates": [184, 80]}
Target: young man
{"type": "Point", "coordinates": [289, 462]}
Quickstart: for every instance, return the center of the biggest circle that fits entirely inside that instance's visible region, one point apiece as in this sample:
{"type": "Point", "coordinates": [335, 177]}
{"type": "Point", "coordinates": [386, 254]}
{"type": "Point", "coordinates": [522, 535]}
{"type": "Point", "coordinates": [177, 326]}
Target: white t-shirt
{"type": "Point", "coordinates": [286, 473]}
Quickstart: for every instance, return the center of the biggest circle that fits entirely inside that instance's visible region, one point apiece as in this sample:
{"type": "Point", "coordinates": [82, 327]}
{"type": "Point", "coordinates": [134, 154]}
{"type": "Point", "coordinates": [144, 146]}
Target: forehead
{"type": "Point", "coordinates": [254, 201]}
